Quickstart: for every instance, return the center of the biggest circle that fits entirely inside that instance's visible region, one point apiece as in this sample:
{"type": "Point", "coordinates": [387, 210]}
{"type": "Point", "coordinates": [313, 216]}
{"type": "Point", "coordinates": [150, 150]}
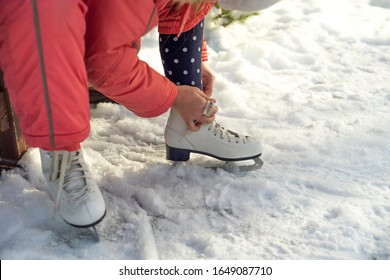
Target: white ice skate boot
{"type": "Point", "coordinates": [212, 140]}
{"type": "Point", "coordinates": [77, 197]}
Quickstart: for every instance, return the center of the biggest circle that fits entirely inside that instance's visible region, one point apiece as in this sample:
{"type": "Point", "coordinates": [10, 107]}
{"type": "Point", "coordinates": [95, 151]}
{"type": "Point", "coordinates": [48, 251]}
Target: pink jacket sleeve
{"type": "Point", "coordinates": [131, 82]}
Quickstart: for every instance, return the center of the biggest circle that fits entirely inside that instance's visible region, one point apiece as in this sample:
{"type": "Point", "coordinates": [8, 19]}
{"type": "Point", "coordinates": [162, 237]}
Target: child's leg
{"type": "Point", "coordinates": [182, 60]}
{"type": "Point", "coordinates": [182, 56]}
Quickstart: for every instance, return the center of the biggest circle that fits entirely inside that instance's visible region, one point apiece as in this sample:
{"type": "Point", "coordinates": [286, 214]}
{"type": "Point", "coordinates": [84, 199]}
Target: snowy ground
{"type": "Point", "coordinates": [308, 77]}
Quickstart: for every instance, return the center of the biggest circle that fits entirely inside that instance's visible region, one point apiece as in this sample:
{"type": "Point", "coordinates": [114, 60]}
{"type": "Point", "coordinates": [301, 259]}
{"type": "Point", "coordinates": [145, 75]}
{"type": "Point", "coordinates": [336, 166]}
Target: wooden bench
{"type": "Point", "coordinates": [12, 143]}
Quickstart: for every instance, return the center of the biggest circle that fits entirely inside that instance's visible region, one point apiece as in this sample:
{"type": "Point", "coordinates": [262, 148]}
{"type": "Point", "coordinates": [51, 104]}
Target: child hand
{"type": "Point", "coordinates": [207, 80]}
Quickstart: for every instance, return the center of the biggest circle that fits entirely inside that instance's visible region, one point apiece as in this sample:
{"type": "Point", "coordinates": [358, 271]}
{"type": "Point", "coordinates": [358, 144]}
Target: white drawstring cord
{"type": "Point", "coordinates": [61, 177]}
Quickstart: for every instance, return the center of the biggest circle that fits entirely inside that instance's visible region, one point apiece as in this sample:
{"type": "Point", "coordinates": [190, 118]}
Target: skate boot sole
{"type": "Point", "coordinates": [89, 225]}
{"type": "Point", "coordinates": [177, 154]}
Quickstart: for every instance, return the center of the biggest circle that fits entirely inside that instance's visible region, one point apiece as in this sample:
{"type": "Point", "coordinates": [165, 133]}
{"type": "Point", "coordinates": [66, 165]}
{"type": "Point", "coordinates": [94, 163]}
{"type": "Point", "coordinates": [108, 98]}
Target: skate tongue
{"type": "Point", "coordinates": [71, 175]}
{"type": "Point", "coordinates": [209, 109]}
{"type": "Point", "coordinates": [75, 179]}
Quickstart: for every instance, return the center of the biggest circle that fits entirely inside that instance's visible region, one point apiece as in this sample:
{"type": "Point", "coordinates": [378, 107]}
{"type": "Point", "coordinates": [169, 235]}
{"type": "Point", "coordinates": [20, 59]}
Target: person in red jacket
{"type": "Point", "coordinates": [51, 49]}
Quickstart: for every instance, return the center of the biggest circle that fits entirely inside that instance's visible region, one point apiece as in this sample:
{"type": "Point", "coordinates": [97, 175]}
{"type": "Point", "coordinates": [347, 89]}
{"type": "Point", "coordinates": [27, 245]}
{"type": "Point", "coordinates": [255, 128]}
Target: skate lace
{"type": "Point", "coordinates": [71, 175]}
{"type": "Point", "coordinates": [223, 132]}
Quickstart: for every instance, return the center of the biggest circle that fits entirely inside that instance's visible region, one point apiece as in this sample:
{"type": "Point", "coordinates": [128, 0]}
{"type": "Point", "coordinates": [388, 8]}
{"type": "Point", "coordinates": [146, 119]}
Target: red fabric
{"type": "Point", "coordinates": [111, 32]}
{"type": "Point", "coordinates": [63, 46]}
{"type": "Point", "coordinates": [176, 21]}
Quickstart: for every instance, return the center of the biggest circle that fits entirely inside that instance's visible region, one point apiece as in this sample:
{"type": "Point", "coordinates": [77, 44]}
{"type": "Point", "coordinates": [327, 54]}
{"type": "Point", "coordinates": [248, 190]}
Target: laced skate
{"type": "Point", "coordinates": [77, 197]}
{"type": "Point", "coordinates": [212, 140]}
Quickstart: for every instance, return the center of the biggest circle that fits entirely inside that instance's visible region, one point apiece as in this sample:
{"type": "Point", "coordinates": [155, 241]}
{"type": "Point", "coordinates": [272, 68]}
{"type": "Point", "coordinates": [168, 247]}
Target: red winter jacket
{"type": "Point", "coordinates": [79, 37]}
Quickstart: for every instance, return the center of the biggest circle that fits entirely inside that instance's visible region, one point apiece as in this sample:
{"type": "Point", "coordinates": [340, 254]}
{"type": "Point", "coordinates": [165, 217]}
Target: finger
{"type": "Point", "coordinates": [202, 94]}
{"type": "Point", "coordinates": [208, 91]}
{"type": "Point", "coordinates": [208, 87]}
{"type": "Point", "coordinates": [205, 96]}
{"type": "Point", "coordinates": [194, 125]}
{"type": "Point", "coordinates": [204, 119]}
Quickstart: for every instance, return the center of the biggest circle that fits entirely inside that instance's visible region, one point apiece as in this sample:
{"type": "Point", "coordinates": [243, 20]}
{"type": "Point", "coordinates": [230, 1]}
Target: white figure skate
{"type": "Point", "coordinates": [212, 140]}
{"type": "Point", "coordinates": [76, 195]}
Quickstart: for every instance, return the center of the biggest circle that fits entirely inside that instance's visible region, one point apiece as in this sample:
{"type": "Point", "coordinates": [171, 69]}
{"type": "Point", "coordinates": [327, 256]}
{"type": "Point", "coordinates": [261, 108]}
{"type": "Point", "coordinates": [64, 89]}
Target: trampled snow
{"type": "Point", "coordinates": [311, 80]}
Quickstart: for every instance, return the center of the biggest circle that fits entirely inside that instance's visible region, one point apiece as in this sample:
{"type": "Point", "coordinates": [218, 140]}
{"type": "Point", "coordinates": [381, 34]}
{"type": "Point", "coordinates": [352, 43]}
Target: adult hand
{"type": "Point", "coordinates": [189, 103]}
{"type": "Point", "coordinates": [207, 80]}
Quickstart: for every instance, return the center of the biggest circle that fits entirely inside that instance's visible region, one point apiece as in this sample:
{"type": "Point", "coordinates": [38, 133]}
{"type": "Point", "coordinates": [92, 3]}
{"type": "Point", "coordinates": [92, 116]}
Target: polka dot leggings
{"type": "Point", "coordinates": [182, 56]}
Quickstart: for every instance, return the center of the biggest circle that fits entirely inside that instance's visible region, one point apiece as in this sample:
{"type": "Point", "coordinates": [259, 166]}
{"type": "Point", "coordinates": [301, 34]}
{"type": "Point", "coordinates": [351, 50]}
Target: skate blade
{"type": "Point", "coordinates": [94, 233]}
{"type": "Point", "coordinates": [88, 232]}
{"type": "Point", "coordinates": [228, 166]}
{"type": "Point", "coordinates": [243, 166]}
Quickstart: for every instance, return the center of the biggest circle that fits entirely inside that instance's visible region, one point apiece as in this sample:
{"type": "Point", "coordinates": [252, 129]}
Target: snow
{"type": "Point", "coordinates": [311, 80]}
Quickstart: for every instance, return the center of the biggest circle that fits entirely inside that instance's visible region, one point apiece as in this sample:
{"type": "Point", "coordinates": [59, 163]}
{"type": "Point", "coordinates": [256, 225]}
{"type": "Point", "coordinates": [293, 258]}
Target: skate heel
{"type": "Point", "coordinates": [176, 154]}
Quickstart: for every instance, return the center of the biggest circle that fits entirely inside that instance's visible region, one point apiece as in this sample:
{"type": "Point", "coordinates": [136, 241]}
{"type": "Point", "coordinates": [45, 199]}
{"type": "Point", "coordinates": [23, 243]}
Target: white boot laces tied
{"type": "Point", "coordinates": [223, 132]}
{"type": "Point", "coordinates": [71, 175]}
